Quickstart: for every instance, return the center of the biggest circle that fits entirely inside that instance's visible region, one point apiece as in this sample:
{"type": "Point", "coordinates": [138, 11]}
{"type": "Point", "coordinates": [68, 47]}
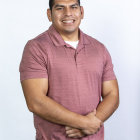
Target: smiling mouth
{"type": "Point", "coordinates": [68, 21]}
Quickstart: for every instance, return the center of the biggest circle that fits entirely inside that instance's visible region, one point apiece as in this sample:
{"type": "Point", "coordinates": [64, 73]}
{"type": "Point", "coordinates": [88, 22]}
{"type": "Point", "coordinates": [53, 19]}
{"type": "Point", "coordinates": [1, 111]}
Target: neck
{"type": "Point", "coordinates": [71, 36]}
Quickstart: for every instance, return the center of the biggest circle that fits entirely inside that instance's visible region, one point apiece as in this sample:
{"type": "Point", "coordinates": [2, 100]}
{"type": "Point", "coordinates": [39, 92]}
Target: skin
{"type": "Point", "coordinates": [35, 90]}
{"type": "Point", "coordinates": [69, 10]}
{"type": "Point", "coordinates": [110, 95]}
{"type": "Point", "coordinates": [64, 10]}
{"type": "Point", "coordinates": [76, 133]}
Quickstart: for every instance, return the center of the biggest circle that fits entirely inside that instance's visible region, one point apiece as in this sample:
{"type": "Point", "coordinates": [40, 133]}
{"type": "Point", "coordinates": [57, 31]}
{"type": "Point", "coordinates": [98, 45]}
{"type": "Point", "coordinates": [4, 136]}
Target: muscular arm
{"type": "Point", "coordinates": [110, 102]}
{"type": "Point", "coordinates": [105, 109]}
{"type": "Point", "coordinates": [35, 94]}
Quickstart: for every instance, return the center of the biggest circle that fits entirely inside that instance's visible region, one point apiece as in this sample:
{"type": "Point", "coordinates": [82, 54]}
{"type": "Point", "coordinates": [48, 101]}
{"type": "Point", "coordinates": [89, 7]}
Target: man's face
{"type": "Point", "coordinates": [66, 16]}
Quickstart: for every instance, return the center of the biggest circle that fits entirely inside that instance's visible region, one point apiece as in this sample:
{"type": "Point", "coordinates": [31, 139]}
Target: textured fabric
{"type": "Point", "coordinates": [75, 76]}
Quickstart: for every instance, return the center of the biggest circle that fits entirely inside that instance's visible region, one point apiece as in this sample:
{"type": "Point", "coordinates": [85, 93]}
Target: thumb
{"type": "Point", "coordinates": [94, 111]}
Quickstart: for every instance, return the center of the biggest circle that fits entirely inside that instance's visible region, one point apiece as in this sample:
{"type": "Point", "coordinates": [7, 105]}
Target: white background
{"type": "Point", "coordinates": [115, 23]}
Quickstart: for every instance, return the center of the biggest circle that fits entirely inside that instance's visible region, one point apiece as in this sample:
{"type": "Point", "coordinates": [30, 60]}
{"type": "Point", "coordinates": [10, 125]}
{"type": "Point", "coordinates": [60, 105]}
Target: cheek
{"type": "Point", "coordinates": [78, 15]}
{"type": "Point", "coordinates": [57, 17]}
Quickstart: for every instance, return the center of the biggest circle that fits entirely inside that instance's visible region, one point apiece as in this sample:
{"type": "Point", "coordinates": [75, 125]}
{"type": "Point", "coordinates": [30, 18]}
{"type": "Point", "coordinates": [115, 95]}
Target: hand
{"type": "Point", "coordinates": [93, 125]}
{"type": "Point", "coordinates": [74, 133]}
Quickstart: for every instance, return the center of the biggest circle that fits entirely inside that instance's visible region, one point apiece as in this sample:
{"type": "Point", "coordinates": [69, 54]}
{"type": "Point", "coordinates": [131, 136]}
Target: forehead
{"type": "Point", "coordinates": [65, 2]}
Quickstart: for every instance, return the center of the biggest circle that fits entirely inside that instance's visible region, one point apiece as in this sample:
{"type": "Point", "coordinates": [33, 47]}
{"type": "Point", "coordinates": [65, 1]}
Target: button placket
{"type": "Point", "coordinates": [75, 58]}
{"type": "Point", "coordinates": [77, 55]}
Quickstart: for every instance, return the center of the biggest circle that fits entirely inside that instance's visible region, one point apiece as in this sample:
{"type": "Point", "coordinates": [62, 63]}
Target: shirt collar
{"type": "Point", "coordinates": [58, 40]}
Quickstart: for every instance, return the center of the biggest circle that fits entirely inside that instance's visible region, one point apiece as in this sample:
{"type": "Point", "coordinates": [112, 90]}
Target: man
{"type": "Point", "coordinates": [64, 74]}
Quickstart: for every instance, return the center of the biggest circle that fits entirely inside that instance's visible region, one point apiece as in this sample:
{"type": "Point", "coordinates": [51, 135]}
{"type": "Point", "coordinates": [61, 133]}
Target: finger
{"type": "Point", "coordinates": [94, 111]}
{"type": "Point", "coordinates": [68, 128]}
{"type": "Point", "coordinates": [73, 131]}
{"type": "Point", "coordinates": [76, 135]}
{"type": "Point", "coordinates": [72, 136]}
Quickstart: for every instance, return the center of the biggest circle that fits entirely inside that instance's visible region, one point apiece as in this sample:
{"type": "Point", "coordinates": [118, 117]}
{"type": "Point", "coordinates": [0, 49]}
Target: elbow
{"type": "Point", "coordinates": [30, 108]}
{"type": "Point", "coordinates": [117, 103]}
{"type": "Point", "coordinates": [35, 105]}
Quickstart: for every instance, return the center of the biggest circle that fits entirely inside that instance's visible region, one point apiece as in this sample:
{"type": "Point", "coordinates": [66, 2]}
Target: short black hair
{"type": "Point", "coordinates": [51, 3]}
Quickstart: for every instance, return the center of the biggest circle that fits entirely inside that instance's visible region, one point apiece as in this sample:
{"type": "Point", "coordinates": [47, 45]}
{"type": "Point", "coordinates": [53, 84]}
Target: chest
{"type": "Point", "coordinates": [67, 60]}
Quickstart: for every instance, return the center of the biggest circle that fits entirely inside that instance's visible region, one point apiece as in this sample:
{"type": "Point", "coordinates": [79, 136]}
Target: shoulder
{"type": "Point", "coordinates": [95, 42]}
{"type": "Point", "coordinates": [42, 37]}
{"type": "Point", "coordinates": [39, 42]}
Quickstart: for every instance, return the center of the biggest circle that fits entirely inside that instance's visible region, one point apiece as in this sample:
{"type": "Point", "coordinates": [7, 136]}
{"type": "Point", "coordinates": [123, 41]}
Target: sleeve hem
{"type": "Point", "coordinates": [32, 77]}
{"type": "Point", "coordinates": [109, 78]}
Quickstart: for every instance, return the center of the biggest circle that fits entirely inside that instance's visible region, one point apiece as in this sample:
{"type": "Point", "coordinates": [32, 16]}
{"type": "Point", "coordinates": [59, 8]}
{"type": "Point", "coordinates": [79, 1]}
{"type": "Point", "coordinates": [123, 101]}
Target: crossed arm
{"type": "Point", "coordinates": [76, 125]}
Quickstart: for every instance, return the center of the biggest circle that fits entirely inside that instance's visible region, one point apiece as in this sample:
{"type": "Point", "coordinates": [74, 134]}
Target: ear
{"type": "Point", "coordinates": [82, 12]}
{"type": "Point", "coordinates": [49, 15]}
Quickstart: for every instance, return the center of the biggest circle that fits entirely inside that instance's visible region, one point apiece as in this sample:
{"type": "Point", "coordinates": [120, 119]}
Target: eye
{"type": "Point", "coordinates": [59, 8]}
{"type": "Point", "coordinates": [74, 7]}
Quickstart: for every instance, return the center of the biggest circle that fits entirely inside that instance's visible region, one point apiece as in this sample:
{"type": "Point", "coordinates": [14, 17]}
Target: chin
{"type": "Point", "coordinates": [69, 31]}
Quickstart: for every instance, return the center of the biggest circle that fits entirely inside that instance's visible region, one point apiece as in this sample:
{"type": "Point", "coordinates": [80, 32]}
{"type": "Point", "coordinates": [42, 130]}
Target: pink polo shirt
{"type": "Point", "coordinates": [75, 77]}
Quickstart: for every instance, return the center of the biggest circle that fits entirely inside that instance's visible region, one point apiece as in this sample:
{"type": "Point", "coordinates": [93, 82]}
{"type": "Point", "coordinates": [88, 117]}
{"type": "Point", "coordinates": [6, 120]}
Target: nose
{"type": "Point", "coordinates": [68, 12]}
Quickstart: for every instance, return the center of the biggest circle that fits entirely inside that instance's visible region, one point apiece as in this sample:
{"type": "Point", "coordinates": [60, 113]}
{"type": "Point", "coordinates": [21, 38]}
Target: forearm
{"type": "Point", "coordinates": [50, 110]}
{"type": "Point", "coordinates": [106, 108]}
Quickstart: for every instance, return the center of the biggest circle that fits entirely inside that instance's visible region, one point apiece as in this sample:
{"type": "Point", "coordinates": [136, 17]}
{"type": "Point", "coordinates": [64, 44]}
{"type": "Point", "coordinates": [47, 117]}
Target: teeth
{"type": "Point", "coordinates": [67, 21]}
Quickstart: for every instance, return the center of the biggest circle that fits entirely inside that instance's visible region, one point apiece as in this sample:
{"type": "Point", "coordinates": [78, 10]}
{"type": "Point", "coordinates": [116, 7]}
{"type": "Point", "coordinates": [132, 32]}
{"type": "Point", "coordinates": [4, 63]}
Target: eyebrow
{"type": "Point", "coordinates": [59, 5]}
{"type": "Point", "coordinates": [76, 4]}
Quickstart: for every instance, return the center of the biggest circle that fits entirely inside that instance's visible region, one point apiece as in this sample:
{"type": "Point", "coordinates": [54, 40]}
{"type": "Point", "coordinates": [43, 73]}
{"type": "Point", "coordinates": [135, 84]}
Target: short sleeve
{"type": "Point", "coordinates": [108, 72]}
{"type": "Point", "coordinates": [33, 62]}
